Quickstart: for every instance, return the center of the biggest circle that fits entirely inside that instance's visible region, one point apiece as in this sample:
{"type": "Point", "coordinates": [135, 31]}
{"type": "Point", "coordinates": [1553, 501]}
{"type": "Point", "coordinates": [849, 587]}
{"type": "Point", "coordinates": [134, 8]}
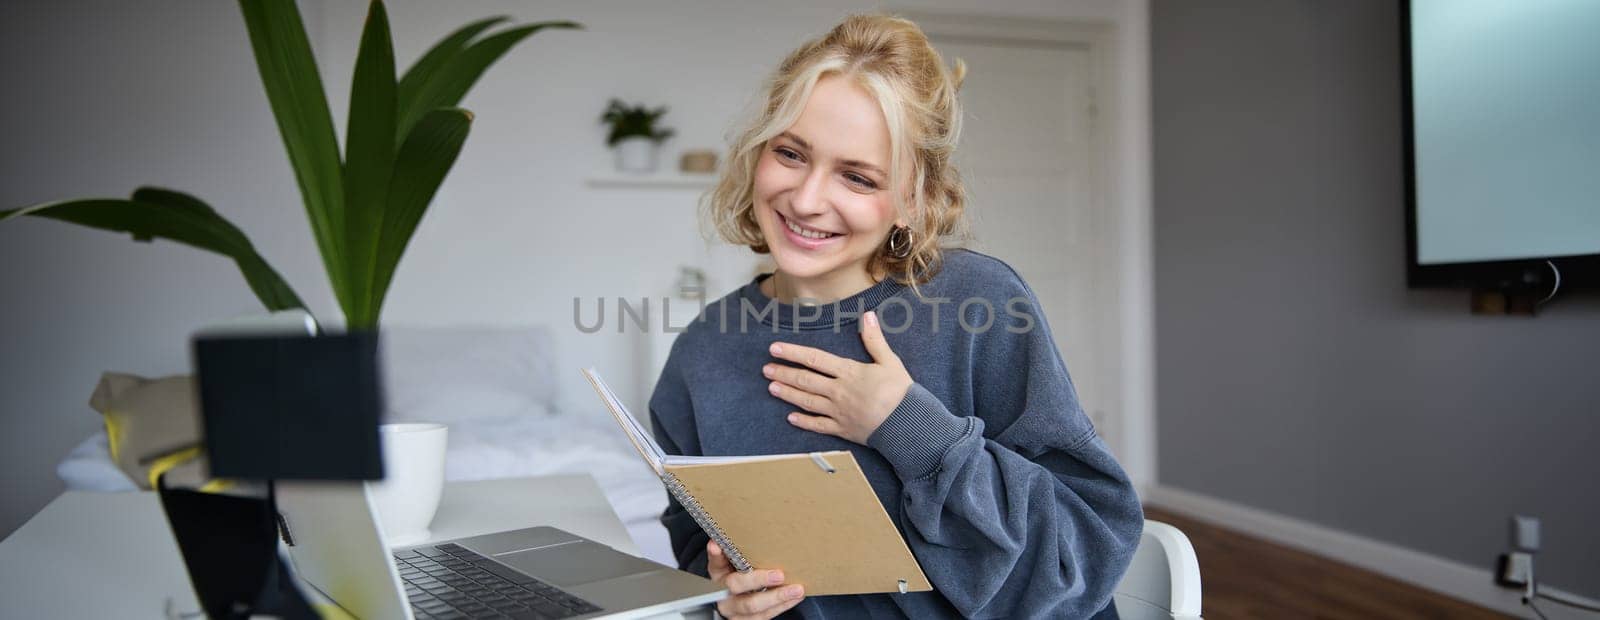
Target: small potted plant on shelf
{"type": "Point", "coordinates": [634, 135]}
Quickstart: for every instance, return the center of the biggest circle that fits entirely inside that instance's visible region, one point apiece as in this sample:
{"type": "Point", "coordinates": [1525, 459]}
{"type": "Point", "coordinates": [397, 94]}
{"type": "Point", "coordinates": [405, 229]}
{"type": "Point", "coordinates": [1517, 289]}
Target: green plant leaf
{"type": "Point", "coordinates": [294, 89]}
{"type": "Point", "coordinates": [227, 233]}
{"type": "Point", "coordinates": [264, 281]}
{"type": "Point", "coordinates": [369, 156]}
{"type": "Point", "coordinates": [448, 83]}
{"type": "Point", "coordinates": [158, 213]}
{"type": "Point", "coordinates": [428, 66]}
{"type": "Point", "coordinates": [420, 167]}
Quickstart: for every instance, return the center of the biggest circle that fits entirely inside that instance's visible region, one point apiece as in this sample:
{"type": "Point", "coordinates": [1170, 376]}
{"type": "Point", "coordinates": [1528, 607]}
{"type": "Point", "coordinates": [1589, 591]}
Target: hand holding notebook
{"type": "Point", "coordinates": [813, 516]}
{"type": "Point", "coordinates": [755, 593]}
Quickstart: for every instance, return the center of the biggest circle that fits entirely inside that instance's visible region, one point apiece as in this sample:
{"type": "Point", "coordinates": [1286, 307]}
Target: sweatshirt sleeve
{"type": "Point", "coordinates": [672, 414]}
{"type": "Point", "coordinates": [1017, 509]}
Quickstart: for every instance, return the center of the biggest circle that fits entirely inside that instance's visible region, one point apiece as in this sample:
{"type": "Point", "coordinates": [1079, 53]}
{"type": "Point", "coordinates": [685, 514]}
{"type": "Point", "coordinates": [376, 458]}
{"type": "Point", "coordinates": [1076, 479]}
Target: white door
{"type": "Point", "coordinates": [1030, 156]}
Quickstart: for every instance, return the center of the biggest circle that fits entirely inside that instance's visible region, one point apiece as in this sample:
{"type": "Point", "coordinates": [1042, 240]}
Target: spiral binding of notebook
{"type": "Point", "coordinates": [693, 507]}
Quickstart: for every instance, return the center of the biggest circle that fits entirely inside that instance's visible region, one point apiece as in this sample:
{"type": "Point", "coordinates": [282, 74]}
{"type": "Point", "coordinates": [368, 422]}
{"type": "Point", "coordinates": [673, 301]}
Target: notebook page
{"type": "Point", "coordinates": [673, 459]}
{"type": "Point", "coordinates": [642, 441]}
{"type": "Point", "coordinates": [646, 444]}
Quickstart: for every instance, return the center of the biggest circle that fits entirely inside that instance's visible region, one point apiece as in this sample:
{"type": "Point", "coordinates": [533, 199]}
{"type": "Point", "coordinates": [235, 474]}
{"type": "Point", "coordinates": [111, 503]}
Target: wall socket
{"type": "Point", "coordinates": [1515, 569]}
{"type": "Point", "coordinates": [1525, 533]}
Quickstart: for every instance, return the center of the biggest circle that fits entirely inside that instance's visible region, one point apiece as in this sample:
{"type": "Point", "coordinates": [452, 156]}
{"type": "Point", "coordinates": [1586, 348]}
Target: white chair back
{"type": "Point", "coordinates": [1163, 582]}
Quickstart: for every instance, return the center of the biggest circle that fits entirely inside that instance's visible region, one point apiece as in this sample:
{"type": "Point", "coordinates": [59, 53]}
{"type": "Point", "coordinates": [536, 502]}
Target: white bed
{"type": "Point", "coordinates": [496, 390]}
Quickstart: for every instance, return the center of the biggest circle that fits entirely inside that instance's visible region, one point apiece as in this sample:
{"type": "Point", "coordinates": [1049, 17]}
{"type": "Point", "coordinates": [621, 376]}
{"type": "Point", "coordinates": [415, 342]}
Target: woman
{"type": "Point", "coordinates": [933, 366]}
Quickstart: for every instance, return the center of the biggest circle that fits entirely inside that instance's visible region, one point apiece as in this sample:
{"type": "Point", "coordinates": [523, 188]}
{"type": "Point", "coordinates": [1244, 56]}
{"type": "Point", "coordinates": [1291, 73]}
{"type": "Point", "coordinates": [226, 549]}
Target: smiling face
{"type": "Point", "coordinates": [822, 196]}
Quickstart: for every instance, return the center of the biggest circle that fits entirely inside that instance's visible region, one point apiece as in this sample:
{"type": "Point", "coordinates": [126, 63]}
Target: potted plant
{"type": "Point", "coordinates": [634, 135]}
{"type": "Point", "coordinates": [403, 137]}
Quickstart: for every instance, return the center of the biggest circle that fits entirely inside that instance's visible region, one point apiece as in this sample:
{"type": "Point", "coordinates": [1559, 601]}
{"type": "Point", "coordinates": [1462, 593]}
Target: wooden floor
{"type": "Point", "coordinates": [1250, 578]}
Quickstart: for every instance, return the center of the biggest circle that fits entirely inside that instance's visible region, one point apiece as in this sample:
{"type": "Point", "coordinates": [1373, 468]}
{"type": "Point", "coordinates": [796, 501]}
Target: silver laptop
{"type": "Point", "coordinates": [336, 545]}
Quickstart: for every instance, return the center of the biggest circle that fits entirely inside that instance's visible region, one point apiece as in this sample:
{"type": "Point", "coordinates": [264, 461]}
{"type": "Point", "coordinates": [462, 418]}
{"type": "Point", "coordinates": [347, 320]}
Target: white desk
{"type": "Point", "coordinates": [111, 555]}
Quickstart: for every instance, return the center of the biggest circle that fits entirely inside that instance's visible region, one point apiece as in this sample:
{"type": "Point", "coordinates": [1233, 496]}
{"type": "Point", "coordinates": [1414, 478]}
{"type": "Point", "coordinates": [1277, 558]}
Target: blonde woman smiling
{"type": "Point", "coordinates": [961, 414]}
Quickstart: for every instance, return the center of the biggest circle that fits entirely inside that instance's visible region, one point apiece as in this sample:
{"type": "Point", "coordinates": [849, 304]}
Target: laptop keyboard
{"type": "Point", "coordinates": [449, 582]}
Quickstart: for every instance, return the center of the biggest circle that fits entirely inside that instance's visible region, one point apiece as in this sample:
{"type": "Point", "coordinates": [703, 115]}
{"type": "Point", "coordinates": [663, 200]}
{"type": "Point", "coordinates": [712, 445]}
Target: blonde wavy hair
{"type": "Point", "coordinates": [892, 60]}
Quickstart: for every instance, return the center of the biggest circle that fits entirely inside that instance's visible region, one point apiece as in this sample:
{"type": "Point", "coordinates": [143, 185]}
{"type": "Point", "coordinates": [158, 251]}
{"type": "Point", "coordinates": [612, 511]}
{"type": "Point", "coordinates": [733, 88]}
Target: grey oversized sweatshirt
{"type": "Point", "coordinates": [1010, 501]}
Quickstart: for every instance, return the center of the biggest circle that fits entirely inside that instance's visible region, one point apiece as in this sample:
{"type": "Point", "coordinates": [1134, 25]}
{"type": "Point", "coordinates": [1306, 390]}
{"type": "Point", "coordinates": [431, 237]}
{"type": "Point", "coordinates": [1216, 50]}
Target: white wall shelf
{"type": "Point", "coordinates": [681, 180]}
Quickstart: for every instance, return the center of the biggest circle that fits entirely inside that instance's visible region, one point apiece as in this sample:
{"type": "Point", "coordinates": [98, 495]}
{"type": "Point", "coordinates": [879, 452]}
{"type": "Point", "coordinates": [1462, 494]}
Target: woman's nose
{"type": "Point", "coordinates": [811, 197]}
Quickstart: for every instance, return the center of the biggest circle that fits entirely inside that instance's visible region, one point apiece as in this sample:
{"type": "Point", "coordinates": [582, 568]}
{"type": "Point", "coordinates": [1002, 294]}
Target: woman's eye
{"type": "Point", "coordinates": [860, 180]}
{"type": "Point", "coordinates": [785, 153]}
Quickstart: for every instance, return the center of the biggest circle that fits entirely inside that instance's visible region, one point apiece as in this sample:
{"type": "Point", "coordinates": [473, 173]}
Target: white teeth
{"type": "Point", "coordinates": [807, 233]}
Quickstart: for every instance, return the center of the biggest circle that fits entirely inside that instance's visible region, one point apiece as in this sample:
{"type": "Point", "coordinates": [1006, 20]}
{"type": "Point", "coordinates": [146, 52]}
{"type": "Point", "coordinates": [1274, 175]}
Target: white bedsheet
{"type": "Point", "coordinates": [88, 467]}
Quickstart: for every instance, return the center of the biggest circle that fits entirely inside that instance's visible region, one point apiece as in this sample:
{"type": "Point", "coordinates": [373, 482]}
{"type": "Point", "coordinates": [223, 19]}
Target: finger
{"type": "Point", "coordinates": [802, 378]}
{"type": "Point", "coordinates": [815, 359]}
{"type": "Point", "coordinates": [872, 337]}
{"type": "Point", "coordinates": [783, 607]}
{"type": "Point", "coordinates": [815, 403]}
{"type": "Point", "coordinates": [816, 424]}
{"type": "Point", "coordinates": [751, 581]}
{"type": "Point", "coordinates": [759, 603]}
{"type": "Point", "coordinates": [717, 564]}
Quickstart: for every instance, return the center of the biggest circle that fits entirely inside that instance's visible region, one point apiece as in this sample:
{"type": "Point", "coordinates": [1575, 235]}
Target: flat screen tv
{"type": "Point", "coordinates": [1502, 124]}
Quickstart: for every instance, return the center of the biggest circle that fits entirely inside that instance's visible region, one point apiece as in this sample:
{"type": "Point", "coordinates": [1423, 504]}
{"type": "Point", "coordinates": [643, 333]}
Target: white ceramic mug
{"type": "Point", "coordinates": [408, 495]}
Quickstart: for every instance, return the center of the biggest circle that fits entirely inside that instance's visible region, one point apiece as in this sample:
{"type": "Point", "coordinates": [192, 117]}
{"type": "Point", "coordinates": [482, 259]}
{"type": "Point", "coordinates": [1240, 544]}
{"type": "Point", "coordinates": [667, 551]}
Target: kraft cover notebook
{"type": "Point", "coordinates": [814, 516]}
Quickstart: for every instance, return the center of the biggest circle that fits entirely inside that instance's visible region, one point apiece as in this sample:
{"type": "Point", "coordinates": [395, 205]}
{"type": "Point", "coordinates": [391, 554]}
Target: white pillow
{"type": "Point", "coordinates": [448, 374]}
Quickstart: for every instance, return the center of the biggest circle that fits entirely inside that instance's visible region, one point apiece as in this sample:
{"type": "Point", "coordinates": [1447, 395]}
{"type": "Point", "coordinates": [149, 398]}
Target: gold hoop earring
{"type": "Point", "coordinates": [899, 243]}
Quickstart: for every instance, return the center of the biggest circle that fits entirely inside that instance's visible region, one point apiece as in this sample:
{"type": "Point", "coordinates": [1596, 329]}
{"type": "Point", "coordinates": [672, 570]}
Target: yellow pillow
{"type": "Point", "coordinates": [153, 427]}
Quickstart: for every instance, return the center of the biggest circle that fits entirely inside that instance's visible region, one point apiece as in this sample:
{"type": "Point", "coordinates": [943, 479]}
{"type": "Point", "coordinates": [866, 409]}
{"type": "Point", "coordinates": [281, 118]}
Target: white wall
{"type": "Point", "coordinates": [103, 97]}
{"type": "Point", "coordinates": [119, 95]}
